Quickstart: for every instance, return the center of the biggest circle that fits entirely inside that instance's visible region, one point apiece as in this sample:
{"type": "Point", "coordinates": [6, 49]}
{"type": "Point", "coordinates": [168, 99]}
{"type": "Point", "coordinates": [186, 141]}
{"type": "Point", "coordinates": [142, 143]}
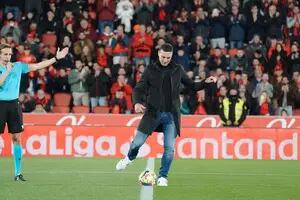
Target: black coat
{"type": "Point", "coordinates": [150, 86]}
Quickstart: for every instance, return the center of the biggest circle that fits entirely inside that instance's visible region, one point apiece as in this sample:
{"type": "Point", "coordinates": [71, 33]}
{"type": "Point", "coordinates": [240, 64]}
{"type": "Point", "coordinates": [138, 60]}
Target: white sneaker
{"type": "Point", "coordinates": [161, 181]}
{"type": "Point", "coordinates": [122, 164]}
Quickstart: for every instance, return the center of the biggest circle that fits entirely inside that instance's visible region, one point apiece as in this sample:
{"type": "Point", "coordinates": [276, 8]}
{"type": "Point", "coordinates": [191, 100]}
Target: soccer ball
{"type": "Point", "coordinates": [147, 178]}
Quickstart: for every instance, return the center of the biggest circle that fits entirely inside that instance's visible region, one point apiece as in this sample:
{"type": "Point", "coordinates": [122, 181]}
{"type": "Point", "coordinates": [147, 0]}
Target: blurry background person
{"type": "Point", "coordinates": [286, 95]}
{"type": "Point", "coordinates": [233, 110]}
{"type": "Point", "coordinates": [77, 81]}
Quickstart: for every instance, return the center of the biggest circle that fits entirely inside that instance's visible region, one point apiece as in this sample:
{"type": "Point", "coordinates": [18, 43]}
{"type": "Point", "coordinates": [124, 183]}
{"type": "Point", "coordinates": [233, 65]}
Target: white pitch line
{"type": "Point", "coordinates": [147, 191]}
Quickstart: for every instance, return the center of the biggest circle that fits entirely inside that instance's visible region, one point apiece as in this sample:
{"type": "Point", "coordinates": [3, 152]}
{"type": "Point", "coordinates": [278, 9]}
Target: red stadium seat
{"type": "Point", "coordinates": [62, 99]}
{"type": "Point", "coordinates": [81, 109]}
{"type": "Point", "coordinates": [61, 109]}
{"type": "Point", "coordinates": [101, 109]}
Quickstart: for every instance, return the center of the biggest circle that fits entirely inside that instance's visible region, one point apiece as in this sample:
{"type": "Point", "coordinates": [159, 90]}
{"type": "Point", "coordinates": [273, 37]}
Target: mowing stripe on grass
{"type": "Point", "coordinates": [175, 173]}
{"type": "Point", "coordinates": [147, 191]}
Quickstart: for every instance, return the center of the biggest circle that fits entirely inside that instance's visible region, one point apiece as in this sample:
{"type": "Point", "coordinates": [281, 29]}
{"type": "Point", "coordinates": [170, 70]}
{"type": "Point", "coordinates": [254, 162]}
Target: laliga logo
{"type": "Point", "coordinates": [213, 122]}
{"type": "Point", "coordinates": [284, 123]}
{"type": "Point", "coordinates": [1, 144]}
{"type": "Point", "coordinates": [73, 119]}
{"type": "Point", "coordinates": [144, 150]}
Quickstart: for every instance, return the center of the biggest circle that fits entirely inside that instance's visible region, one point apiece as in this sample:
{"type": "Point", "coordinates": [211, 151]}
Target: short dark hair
{"type": "Point", "coordinates": [4, 46]}
{"type": "Point", "coordinates": [167, 47]}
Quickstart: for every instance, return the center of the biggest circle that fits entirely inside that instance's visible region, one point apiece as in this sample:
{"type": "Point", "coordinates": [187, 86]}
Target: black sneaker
{"type": "Point", "coordinates": [19, 178]}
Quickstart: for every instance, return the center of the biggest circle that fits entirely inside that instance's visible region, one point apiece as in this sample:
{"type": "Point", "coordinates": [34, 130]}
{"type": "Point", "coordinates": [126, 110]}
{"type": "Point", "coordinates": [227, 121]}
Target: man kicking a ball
{"type": "Point", "coordinates": [160, 84]}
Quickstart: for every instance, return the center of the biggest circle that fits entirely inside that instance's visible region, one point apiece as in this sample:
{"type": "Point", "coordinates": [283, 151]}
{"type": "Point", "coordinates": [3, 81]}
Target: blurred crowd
{"type": "Point", "coordinates": [249, 45]}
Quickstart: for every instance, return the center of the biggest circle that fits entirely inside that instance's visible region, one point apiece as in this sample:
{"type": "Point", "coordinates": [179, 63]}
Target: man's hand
{"type": "Point", "coordinates": [139, 108]}
{"type": "Point", "coordinates": [61, 53]}
{"type": "Point", "coordinates": [211, 79]}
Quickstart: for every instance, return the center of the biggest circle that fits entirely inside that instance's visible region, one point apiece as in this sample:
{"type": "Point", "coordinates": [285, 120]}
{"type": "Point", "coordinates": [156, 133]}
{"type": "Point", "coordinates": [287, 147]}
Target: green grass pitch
{"type": "Point", "coordinates": [96, 179]}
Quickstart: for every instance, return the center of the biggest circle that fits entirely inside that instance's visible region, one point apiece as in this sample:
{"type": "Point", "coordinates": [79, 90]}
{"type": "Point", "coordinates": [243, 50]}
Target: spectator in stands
{"type": "Point", "coordinates": [120, 44]}
{"type": "Point", "coordinates": [264, 86]}
{"type": "Point", "coordinates": [102, 57]}
{"type": "Point", "coordinates": [144, 12]}
{"type": "Point", "coordinates": [139, 72]}
{"type": "Point", "coordinates": [11, 28]}
{"type": "Point", "coordinates": [50, 24]}
{"type": "Point", "coordinates": [270, 23]}
{"type": "Point", "coordinates": [106, 14]}
{"type": "Point", "coordinates": [286, 95]}
{"type": "Point", "coordinates": [239, 61]}
{"type": "Point", "coordinates": [182, 57]}
{"type": "Point", "coordinates": [42, 101]}
{"type": "Point", "coordinates": [69, 31]}
{"type": "Point", "coordinates": [42, 80]}
{"type": "Point", "coordinates": [87, 29]}
{"type": "Point", "coordinates": [218, 29]}
{"type": "Point", "coordinates": [162, 11]}
{"type": "Point", "coordinates": [87, 56]}
{"type": "Point", "coordinates": [67, 42]}
{"type": "Point", "coordinates": [260, 57]}
{"type": "Point", "coordinates": [256, 65]}
{"type": "Point", "coordinates": [256, 23]}
{"type": "Point", "coordinates": [296, 88]}
{"type": "Point", "coordinates": [200, 24]}
{"type": "Point", "coordinates": [81, 43]}
{"type": "Point", "coordinates": [220, 4]}
{"type": "Point", "coordinates": [198, 44]}
{"type": "Point", "coordinates": [237, 25]}
{"type": "Point", "coordinates": [278, 59]}
{"type": "Point", "coordinates": [27, 19]}
{"type": "Point", "coordinates": [105, 36]}
{"type": "Point", "coordinates": [264, 104]}
{"type": "Point", "coordinates": [26, 56]}
{"type": "Point", "coordinates": [293, 60]}
{"type": "Point", "coordinates": [180, 43]}
{"type": "Point", "coordinates": [60, 82]}
{"type": "Point", "coordinates": [27, 102]}
{"type": "Point", "coordinates": [200, 67]}
{"type": "Point", "coordinates": [274, 22]}
{"type": "Point", "coordinates": [161, 33]}
{"type": "Point", "coordinates": [77, 81]}
{"type": "Point", "coordinates": [182, 25]}
{"type": "Point", "coordinates": [221, 95]}
{"type": "Point", "coordinates": [99, 82]}
{"type": "Point", "coordinates": [254, 45]}
{"type": "Point", "coordinates": [72, 6]}
{"type": "Point", "coordinates": [293, 24]}
{"type": "Point", "coordinates": [200, 107]}
{"type": "Point", "coordinates": [196, 59]}
{"type": "Point", "coordinates": [217, 60]}
{"type": "Point", "coordinates": [125, 12]}
{"type": "Point", "coordinates": [142, 44]}
{"type": "Point", "coordinates": [122, 85]}
{"type": "Point", "coordinates": [13, 7]}
{"type": "Point", "coordinates": [118, 104]}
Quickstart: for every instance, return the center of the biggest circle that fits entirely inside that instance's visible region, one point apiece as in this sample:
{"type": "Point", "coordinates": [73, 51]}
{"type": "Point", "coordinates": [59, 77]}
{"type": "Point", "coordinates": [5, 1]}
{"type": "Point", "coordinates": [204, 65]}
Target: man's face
{"type": "Point", "coordinates": [265, 77]}
{"type": "Point", "coordinates": [5, 55]}
{"type": "Point", "coordinates": [78, 64]}
{"type": "Point", "coordinates": [164, 57]}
